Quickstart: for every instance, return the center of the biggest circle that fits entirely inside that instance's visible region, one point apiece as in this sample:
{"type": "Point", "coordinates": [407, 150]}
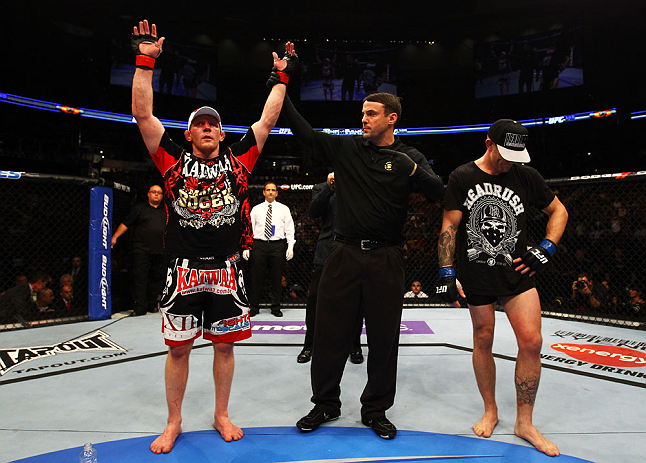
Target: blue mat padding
{"type": "Point", "coordinates": [331, 444]}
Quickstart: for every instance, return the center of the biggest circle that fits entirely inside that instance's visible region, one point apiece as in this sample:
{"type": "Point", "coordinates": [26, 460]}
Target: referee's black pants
{"type": "Point", "coordinates": [310, 313]}
{"type": "Point", "coordinates": [147, 280]}
{"type": "Point", "coordinates": [358, 283]}
{"type": "Point", "coordinates": [267, 255]}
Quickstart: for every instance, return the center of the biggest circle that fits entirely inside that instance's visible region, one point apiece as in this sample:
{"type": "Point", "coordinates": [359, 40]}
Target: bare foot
{"type": "Point", "coordinates": [484, 427]}
{"type": "Point", "coordinates": [165, 442]}
{"type": "Point", "coordinates": [227, 429]}
{"type": "Point", "coordinates": [531, 435]}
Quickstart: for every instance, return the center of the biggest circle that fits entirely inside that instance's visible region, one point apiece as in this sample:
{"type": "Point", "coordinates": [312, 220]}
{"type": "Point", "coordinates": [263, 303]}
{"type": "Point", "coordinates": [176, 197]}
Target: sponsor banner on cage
{"type": "Point", "coordinates": [619, 358]}
{"type": "Point", "coordinates": [99, 262]}
{"type": "Point", "coordinates": [297, 327]}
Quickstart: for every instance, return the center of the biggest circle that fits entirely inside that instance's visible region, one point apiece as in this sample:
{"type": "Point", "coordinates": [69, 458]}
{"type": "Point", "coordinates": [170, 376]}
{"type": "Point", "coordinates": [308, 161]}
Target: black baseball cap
{"type": "Point", "coordinates": [511, 138]}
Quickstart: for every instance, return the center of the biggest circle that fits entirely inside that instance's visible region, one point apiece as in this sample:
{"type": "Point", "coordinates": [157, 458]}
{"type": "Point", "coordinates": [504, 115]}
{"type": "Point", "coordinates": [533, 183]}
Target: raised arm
{"type": "Point", "coordinates": [281, 72]}
{"type": "Point", "coordinates": [300, 127]}
{"type": "Point", "coordinates": [147, 48]}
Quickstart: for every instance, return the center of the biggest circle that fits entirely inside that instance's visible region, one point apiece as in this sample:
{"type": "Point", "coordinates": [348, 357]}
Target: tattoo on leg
{"type": "Point", "coordinates": [526, 389]}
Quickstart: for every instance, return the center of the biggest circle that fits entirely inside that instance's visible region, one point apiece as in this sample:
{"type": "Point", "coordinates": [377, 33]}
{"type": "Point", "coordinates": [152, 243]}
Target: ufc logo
{"type": "Point", "coordinates": [542, 259]}
{"type": "Point", "coordinates": [441, 289]}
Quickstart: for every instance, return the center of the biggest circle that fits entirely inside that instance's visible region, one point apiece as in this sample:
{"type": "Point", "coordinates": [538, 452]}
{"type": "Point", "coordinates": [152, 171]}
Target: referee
{"type": "Point", "coordinates": [363, 275]}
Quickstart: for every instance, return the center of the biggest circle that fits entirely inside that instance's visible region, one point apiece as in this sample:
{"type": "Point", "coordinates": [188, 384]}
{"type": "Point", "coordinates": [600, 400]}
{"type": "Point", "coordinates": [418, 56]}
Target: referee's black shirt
{"type": "Point", "coordinates": [372, 201]}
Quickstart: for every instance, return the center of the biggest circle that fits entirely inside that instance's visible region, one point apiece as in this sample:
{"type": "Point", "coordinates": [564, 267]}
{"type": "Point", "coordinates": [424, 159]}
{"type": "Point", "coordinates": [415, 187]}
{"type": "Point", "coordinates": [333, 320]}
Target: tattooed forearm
{"type": "Point", "coordinates": [446, 246]}
{"type": "Point", "coordinates": [526, 389]}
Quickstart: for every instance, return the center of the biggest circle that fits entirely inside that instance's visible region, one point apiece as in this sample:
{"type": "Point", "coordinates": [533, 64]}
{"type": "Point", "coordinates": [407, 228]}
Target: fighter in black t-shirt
{"type": "Point", "coordinates": [485, 207]}
{"type": "Point", "coordinates": [207, 225]}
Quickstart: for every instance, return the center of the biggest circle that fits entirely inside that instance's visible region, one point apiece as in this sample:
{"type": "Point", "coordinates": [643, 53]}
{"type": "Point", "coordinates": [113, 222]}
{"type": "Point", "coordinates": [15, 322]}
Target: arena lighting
{"type": "Point", "coordinates": [108, 116]}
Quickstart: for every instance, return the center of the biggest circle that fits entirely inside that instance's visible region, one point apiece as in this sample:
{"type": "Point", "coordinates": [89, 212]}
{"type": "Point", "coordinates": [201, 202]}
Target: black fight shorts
{"type": "Point", "coordinates": [204, 297]}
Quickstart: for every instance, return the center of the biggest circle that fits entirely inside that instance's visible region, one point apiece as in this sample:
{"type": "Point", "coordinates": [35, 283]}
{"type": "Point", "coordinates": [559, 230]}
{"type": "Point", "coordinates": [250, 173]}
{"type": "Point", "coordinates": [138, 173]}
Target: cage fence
{"type": "Point", "coordinates": [45, 226]}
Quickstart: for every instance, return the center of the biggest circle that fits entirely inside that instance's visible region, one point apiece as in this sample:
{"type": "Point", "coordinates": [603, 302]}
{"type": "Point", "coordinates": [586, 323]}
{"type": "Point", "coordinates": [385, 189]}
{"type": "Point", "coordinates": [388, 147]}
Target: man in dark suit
{"type": "Point", "coordinates": [78, 270]}
{"type": "Point", "coordinates": [323, 205]}
{"type": "Point", "coordinates": [19, 303]}
{"type": "Point", "coordinates": [64, 305]}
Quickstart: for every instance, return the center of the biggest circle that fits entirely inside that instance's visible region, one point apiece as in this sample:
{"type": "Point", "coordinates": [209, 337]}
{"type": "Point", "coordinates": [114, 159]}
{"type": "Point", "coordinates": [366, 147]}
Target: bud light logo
{"type": "Point", "coordinates": [105, 222]}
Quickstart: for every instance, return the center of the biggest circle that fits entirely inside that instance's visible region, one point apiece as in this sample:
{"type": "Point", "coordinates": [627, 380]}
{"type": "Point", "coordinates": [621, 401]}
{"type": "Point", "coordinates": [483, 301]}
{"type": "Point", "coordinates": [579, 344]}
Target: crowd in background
{"type": "Point", "coordinates": [604, 244]}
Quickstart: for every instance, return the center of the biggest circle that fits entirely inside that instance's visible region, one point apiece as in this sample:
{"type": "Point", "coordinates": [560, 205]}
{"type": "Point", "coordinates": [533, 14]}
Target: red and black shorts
{"type": "Point", "coordinates": [204, 296]}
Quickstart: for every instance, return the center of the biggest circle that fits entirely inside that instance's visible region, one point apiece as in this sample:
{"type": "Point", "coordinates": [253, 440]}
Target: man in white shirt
{"type": "Point", "coordinates": [273, 244]}
{"type": "Point", "coordinates": [415, 291]}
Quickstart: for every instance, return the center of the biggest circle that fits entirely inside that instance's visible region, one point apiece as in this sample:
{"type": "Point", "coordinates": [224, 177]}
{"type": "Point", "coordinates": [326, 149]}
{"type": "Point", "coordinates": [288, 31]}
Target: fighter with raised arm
{"type": "Point", "coordinates": [208, 224]}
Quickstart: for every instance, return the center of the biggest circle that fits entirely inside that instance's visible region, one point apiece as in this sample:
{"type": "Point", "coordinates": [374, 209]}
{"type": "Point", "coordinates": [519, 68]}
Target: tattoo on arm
{"type": "Point", "coordinates": [446, 246]}
{"type": "Point", "coordinates": [526, 389]}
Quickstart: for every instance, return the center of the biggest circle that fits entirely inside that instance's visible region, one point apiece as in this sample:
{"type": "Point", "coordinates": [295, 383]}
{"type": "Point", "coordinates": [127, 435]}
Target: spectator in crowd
{"type": "Point", "coordinates": [612, 298]}
{"type": "Point", "coordinates": [273, 244]}
{"type": "Point", "coordinates": [323, 205]}
{"type": "Point", "coordinates": [76, 269]}
{"type": "Point", "coordinates": [587, 296]}
{"type": "Point", "coordinates": [148, 263]}
{"type": "Point", "coordinates": [19, 302]}
{"type": "Point", "coordinates": [415, 291]}
{"type": "Point", "coordinates": [20, 280]}
{"type": "Point", "coordinates": [44, 300]}
{"type": "Point", "coordinates": [64, 305]}
{"type": "Point", "coordinates": [636, 302]}
{"type": "Point", "coordinates": [65, 280]}
{"type": "Point", "coordinates": [79, 273]}
{"type": "Point", "coordinates": [581, 263]}
{"type": "Point", "coordinates": [291, 290]}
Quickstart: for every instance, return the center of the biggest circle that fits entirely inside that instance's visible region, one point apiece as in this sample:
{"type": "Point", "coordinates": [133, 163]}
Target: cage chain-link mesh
{"type": "Point", "coordinates": [45, 225]}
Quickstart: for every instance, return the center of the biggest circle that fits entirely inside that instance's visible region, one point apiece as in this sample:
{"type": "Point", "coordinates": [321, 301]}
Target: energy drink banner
{"type": "Point", "coordinates": [99, 262]}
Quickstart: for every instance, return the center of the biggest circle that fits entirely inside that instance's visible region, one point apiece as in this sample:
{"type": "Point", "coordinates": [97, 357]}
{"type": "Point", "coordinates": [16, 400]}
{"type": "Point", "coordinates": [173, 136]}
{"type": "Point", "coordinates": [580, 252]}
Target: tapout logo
{"type": "Point", "coordinates": [603, 355]}
{"type": "Point", "coordinates": [12, 357]}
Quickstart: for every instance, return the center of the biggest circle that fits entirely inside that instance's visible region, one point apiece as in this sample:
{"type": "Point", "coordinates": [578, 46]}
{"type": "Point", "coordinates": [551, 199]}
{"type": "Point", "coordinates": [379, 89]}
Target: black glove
{"type": "Point", "coordinates": [136, 39]}
{"type": "Point", "coordinates": [399, 163]}
{"type": "Point", "coordinates": [282, 77]}
{"type": "Point", "coordinates": [447, 287]}
{"type": "Point", "coordinates": [143, 60]}
{"type": "Point", "coordinates": [538, 257]}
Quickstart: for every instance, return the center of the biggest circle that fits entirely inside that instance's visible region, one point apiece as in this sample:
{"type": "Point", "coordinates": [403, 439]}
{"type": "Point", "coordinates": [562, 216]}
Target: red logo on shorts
{"type": "Point", "coordinates": [605, 355]}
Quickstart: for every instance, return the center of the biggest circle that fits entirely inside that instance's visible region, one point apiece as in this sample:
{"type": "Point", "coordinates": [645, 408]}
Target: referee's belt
{"type": "Point", "coordinates": [365, 245]}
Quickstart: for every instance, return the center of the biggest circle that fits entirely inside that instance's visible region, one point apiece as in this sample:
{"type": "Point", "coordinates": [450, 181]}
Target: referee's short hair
{"type": "Point", "coordinates": [391, 102]}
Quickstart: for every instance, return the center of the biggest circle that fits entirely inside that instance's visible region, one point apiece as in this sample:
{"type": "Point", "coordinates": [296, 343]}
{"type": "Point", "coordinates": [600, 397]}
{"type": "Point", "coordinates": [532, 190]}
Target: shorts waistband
{"type": "Point", "coordinates": [365, 245]}
{"type": "Point", "coordinates": [235, 257]}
